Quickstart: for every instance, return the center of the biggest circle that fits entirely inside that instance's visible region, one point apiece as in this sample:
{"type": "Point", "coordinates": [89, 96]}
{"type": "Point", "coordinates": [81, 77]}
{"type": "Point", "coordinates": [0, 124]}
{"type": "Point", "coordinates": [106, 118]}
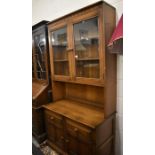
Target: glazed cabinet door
{"type": "Point", "coordinates": [87, 53]}
{"type": "Point", "coordinates": [59, 53]}
{"type": "Point", "coordinates": [77, 48]}
{"type": "Point", "coordinates": [39, 56]}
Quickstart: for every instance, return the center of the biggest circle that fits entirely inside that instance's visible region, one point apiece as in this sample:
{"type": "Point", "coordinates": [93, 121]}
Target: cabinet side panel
{"type": "Point", "coordinates": [58, 90]}
{"type": "Point", "coordinates": [104, 131]}
{"type": "Point", "coordinates": [106, 148]}
{"type": "Point", "coordinates": [110, 62]}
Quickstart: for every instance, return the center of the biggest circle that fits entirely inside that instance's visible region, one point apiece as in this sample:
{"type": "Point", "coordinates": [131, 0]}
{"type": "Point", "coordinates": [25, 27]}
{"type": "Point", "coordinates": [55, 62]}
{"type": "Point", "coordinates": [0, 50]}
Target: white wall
{"type": "Point", "coordinates": [52, 9]}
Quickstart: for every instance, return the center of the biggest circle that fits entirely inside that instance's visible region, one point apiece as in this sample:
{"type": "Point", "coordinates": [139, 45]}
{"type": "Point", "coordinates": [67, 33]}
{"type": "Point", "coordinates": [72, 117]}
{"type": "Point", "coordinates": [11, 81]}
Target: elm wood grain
{"type": "Point", "coordinates": [87, 94]}
{"type": "Point", "coordinates": [69, 21]}
{"type": "Point", "coordinates": [103, 131]}
{"type": "Point", "coordinates": [84, 104]}
{"type": "Point", "coordinates": [77, 112]}
{"type": "Point", "coordinates": [75, 138]}
{"type": "Point", "coordinates": [110, 63]}
{"type": "Point", "coordinates": [79, 80]}
{"type": "Point", "coordinates": [106, 148]}
{"type": "Point", "coordinates": [92, 95]}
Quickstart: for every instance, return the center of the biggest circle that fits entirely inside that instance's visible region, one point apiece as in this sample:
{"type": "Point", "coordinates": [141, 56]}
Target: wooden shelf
{"type": "Point", "coordinates": [87, 59]}
{"type": "Point", "coordinates": [61, 60]}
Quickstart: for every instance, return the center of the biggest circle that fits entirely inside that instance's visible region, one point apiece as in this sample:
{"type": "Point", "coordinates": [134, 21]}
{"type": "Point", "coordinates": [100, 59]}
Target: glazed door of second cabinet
{"type": "Point", "coordinates": [87, 50]}
{"type": "Point", "coordinates": [59, 43]}
{"type": "Point", "coordinates": [39, 56]}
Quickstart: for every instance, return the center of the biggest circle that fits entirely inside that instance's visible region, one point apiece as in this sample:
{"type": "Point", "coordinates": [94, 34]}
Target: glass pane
{"type": "Point", "coordinates": [39, 42]}
{"type": "Point", "coordinates": [60, 54]}
{"type": "Point", "coordinates": [86, 48]}
{"type": "Point", "coordinates": [61, 68]}
{"type": "Point", "coordinates": [89, 69]}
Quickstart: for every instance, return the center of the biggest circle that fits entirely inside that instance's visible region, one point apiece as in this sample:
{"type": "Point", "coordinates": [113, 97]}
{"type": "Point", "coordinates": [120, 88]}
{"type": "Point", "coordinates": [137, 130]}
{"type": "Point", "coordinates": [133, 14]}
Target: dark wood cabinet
{"type": "Point", "coordinates": [81, 118]}
{"type": "Point", "coordinates": [41, 86]}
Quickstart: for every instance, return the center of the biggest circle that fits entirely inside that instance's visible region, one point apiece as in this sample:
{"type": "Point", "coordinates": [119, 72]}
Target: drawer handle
{"type": "Point", "coordinates": [75, 129]}
{"type": "Point", "coordinates": [52, 118]}
{"type": "Point", "coordinates": [67, 141]}
{"type": "Point", "coordinates": [62, 138]}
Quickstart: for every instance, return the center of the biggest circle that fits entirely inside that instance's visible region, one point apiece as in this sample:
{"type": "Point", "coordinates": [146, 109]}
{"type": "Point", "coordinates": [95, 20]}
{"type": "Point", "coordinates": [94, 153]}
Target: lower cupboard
{"type": "Point", "coordinates": [70, 137]}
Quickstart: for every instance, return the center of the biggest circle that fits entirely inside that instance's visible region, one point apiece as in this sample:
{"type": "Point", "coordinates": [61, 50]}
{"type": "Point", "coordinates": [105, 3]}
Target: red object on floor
{"type": "Point", "coordinates": [118, 33]}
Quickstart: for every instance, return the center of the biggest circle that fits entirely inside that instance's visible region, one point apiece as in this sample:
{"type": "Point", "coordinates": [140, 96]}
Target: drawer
{"type": "Point", "coordinates": [78, 130]}
{"type": "Point", "coordinates": [54, 119]}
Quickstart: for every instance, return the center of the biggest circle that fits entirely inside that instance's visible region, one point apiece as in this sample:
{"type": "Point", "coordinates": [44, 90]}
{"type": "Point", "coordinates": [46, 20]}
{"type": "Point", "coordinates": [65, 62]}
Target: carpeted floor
{"type": "Point", "coordinates": [42, 149]}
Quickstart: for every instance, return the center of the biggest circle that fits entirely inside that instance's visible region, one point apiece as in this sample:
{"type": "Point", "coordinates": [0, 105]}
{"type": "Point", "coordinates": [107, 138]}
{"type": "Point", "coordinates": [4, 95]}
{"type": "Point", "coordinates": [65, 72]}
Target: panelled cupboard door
{"type": "Point", "coordinates": [77, 48]}
{"type": "Point", "coordinates": [77, 147]}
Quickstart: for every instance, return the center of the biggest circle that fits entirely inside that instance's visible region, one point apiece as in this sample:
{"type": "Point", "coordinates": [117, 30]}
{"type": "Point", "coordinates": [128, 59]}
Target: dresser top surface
{"type": "Point", "coordinates": [77, 111]}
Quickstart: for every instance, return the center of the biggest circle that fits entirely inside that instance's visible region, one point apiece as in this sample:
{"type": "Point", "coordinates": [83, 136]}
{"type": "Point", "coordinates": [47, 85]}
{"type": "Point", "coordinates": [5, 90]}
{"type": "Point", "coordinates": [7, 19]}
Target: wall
{"type": "Point", "coordinates": [52, 9]}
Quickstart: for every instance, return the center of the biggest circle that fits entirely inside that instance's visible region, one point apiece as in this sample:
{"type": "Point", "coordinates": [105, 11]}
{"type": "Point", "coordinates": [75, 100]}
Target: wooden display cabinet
{"type": "Point", "coordinates": [81, 120]}
{"type": "Point", "coordinates": [40, 78]}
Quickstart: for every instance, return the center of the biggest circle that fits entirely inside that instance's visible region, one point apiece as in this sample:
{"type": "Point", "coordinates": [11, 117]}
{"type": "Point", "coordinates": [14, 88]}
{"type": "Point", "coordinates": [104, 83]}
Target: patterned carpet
{"type": "Point", "coordinates": [47, 150]}
{"type": "Point", "coordinates": [42, 149]}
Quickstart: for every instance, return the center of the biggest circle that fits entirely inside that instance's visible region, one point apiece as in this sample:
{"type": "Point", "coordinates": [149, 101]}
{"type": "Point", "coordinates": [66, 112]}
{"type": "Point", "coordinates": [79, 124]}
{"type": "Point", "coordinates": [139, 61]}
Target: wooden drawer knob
{"type": "Point", "coordinates": [62, 138]}
{"type": "Point", "coordinates": [67, 141]}
{"type": "Point", "coordinates": [75, 129]}
{"type": "Point", "coordinates": [52, 118]}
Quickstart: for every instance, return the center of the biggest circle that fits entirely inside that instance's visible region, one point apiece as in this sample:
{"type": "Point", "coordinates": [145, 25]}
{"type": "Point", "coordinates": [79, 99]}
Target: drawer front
{"type": "Point", "coordinates": [54, 119]}
{"type": "Point", "coordinates": [79, 131]}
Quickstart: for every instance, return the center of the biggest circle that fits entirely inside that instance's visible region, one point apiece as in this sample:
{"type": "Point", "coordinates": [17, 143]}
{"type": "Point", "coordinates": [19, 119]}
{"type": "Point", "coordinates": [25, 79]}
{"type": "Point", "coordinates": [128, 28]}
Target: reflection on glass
{"type": "Point", "coordinates": [89, 69]}
{"type": "Point", "coordinates": [61, 68]}
{"type": "Point", "coordinates": [40, 56]}
{"type": "Point", "coordinates": [59, 45]}
{"type": "Point", "coordinates": [86, 48]}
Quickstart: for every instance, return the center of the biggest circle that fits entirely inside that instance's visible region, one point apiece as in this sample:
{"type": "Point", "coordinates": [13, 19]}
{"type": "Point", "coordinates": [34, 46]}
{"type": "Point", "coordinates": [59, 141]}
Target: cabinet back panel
{"type": "Point", "coordinates": [86, 93]}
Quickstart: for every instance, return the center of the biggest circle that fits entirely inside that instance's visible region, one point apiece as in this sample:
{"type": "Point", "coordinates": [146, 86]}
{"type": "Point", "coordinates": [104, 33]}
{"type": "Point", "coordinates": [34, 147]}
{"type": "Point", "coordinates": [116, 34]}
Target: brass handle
{"type": "Point", "coordinates": [52, 118]}
{"type": "Point", "coordinates": [67, 141]}
{"type": "Point", "coordinates": [62, 138]}
{"type": "Point", "coordinates": [75, 129]}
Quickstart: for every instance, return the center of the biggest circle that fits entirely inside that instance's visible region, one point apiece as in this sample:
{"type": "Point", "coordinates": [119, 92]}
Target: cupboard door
{"type": "Point", "coordinates": [51, 132]}
{"type": "Point", "coordinates": [40, 55]}
{"type": "Point", "coordinates": [72, 145]}
{"type": "Point", "coordinates": [60, 53]}
{"type": "Point", "coordinates": [60, 138]}
{"type": "Point", "coordinates": [85, 148]}
{"type": "Point", "coordinates": [86, 46]}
